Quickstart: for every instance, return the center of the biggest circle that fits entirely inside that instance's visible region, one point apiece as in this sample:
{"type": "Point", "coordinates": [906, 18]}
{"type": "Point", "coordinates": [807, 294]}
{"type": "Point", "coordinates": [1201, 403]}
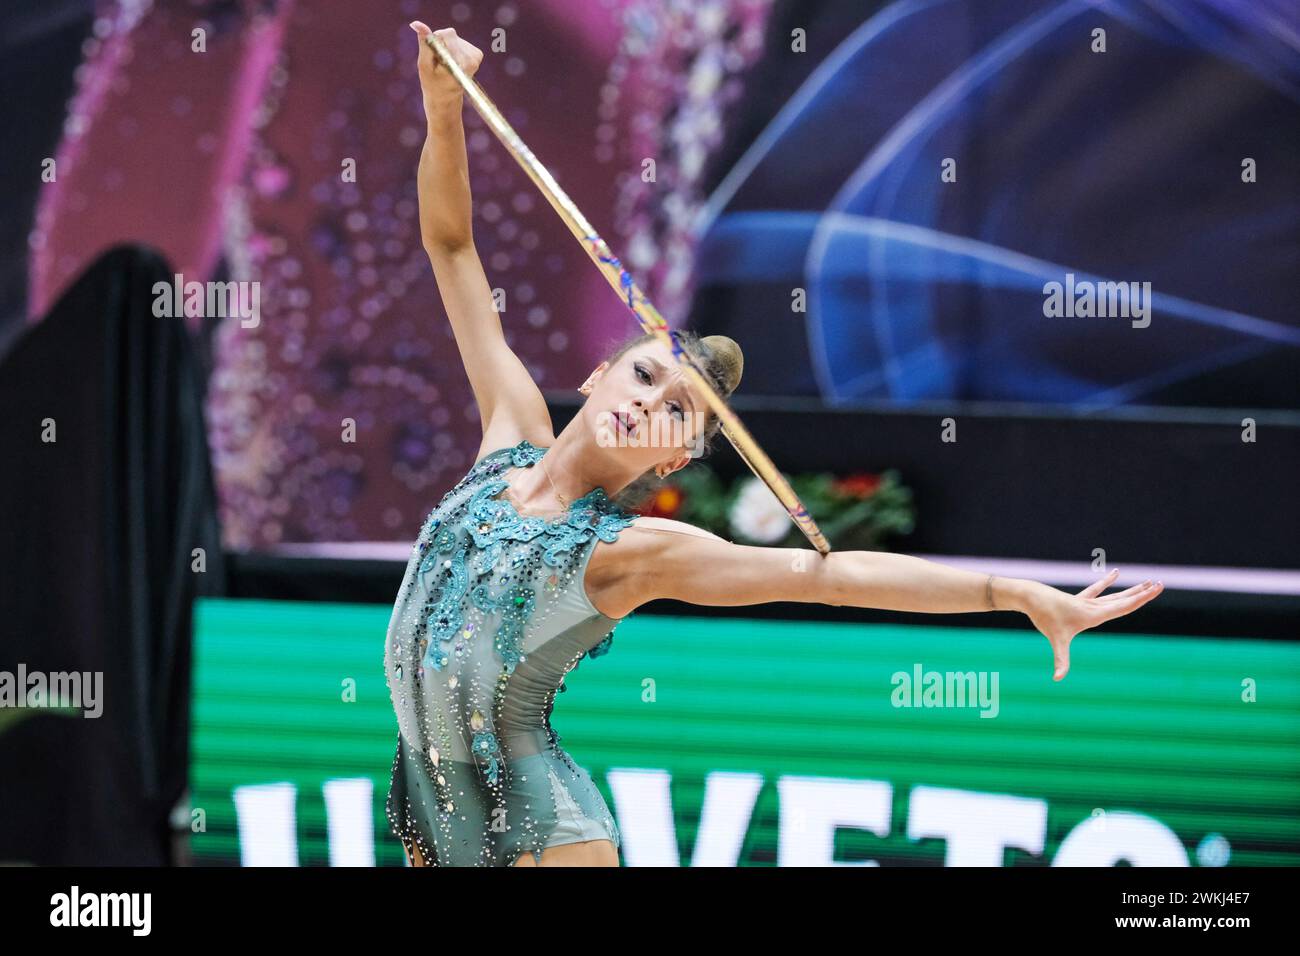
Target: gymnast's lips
{"type": "Point", "coordinates": [626, 424]}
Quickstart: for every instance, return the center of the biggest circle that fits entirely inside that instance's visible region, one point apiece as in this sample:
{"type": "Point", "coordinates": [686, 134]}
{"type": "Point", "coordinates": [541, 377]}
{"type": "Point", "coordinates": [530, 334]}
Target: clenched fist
{"type": "Point", "coordinates": [436, 82]}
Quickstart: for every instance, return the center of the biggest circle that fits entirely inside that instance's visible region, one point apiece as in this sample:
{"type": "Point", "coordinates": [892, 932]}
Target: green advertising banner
{"type": "Point", "coordinates": [739, 742]}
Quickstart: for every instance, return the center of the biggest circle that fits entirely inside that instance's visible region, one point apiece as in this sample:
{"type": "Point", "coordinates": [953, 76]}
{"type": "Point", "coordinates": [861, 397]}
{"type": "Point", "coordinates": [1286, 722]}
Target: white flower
{"type": "Point", "coordinates": [758, 514]}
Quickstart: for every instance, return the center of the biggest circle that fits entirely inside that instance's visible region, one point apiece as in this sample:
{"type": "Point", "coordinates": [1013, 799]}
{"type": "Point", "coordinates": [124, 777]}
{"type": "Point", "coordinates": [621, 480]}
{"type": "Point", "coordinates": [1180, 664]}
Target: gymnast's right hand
{"type": "Point", "coordinates": [436, 82]}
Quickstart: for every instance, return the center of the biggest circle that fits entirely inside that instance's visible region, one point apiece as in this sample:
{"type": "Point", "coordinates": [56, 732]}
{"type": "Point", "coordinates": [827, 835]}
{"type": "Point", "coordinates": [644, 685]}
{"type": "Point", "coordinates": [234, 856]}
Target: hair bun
{"type": "Point", "coordinates": [729, 356]}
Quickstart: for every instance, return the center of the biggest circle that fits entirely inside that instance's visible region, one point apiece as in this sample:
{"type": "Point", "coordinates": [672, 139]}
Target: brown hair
{"type": "Point", "coordinates": [721, 361]}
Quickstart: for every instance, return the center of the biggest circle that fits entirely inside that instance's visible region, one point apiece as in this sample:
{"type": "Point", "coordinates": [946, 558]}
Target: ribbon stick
{"type": "Point", "coordinates": [646, 314]}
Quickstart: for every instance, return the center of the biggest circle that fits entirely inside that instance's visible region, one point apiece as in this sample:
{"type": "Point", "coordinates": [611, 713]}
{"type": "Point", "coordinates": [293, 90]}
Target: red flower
{"type": "Point", "coordinates": [861, 485]}
{"type": "Point", "coordinates": [666, 503]}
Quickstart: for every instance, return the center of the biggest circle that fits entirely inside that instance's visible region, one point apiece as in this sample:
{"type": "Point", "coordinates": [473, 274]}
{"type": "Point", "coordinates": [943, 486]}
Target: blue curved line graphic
{"type": "Point", "coordinates": [776, 236]}
{"type": "Point", "coordinates": [765, 247]}
{"type": "Point", "coordinates": [795, 107]}
{"type": "Point", "coordinates": [920, 119]}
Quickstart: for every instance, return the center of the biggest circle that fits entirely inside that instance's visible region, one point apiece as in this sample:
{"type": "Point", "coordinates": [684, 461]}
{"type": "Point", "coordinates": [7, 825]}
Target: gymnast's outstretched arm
{"type": "Point", "coordinates": [705, 569]}
{"type": "Point", "coordinates": [509, 402]}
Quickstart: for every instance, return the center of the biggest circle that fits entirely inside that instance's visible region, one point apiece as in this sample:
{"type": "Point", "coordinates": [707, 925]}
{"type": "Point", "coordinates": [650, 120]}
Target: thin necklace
{"type": "Point", "coordinates": [563, 500]}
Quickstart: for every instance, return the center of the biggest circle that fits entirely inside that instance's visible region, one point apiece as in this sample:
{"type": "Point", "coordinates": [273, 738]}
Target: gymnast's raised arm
{"type": "Point", "coordinates": [510, 404]}
{"type": "Point", "coordinates": [704, 569]}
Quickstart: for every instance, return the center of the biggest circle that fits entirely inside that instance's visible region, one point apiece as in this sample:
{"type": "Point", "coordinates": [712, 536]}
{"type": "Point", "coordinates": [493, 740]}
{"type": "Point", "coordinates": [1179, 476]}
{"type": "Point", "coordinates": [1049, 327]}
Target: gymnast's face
{"type": "Point", "coordinates": [643, 407]}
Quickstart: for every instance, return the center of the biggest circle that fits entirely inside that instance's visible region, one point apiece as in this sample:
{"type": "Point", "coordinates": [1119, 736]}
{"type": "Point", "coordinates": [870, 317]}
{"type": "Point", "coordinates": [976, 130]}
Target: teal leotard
{"type": "Point", "coordinates": [491, 615]}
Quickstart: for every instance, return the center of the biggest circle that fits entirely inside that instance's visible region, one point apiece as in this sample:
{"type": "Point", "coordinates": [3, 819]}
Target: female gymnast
{"type": "Point", "coordinates": [528, 564]}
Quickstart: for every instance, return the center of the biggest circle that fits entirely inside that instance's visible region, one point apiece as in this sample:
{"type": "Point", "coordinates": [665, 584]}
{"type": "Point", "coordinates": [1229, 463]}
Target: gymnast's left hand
{"type": "Point", "coordinates": [1060, 616]}
{"type": "Point", "coordinates": [436, 83]}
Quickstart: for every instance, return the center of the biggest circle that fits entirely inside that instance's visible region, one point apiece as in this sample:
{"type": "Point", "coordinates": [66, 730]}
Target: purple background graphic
{"type": "Point", "coordinates": [229, 162]}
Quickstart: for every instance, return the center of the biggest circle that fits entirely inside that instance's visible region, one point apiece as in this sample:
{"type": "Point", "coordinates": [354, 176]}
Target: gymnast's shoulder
{"type": "Point", "coordinates": [621, 573]}
{"type": "Point", "coordinates": [661, 558]}
{"type": "Point", "coordinates": [660, 525]}
{"type": "Point", "coordinates": [641, 544]}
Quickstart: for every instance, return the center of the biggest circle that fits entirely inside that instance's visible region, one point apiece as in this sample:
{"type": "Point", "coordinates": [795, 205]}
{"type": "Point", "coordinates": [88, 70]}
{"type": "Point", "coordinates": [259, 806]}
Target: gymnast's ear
{"type": "Point", "coordinates": [666, 468]}
{"type": "Point", "coordinates": [599, 370]}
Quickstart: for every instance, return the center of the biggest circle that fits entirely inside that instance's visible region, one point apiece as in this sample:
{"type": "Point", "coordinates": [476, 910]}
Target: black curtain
{"type": "Point", "coordinates": [40, 48]}
{"type": "Point", "coordinates": [97, 574]}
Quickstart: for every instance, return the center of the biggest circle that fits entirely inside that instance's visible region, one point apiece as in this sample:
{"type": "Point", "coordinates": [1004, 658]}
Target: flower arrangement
{"type": "Point", "coordinates": [855, 512]}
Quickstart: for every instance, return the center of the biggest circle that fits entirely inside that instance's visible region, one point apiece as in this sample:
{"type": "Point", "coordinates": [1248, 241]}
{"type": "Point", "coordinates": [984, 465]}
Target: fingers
{"type": "Point", "coordinates": [1104, 609]}
{"type": "Point", "coordinates": [1126, 605]}
{"type": "Point", "coordinates": [1134, 591]}
{"type": "Point", "coordinates": [1092, 590]}
{"type": "Point", "coordinates": [1127, 592]}
{"type": "Point", "coordinates": [1060, 660]}
{"type": "Point", "coordinates": [466, 55]}
{"type": "Point", "coordinates": [428, 60]}
{"type": "Point", "coordinates": [426, 52]}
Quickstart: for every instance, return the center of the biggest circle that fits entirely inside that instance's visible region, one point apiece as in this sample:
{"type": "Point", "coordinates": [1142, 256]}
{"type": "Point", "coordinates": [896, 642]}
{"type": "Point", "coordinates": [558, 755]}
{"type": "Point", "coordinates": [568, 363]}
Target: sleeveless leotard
{"type": "Point", "coordinates": [491, 615]}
